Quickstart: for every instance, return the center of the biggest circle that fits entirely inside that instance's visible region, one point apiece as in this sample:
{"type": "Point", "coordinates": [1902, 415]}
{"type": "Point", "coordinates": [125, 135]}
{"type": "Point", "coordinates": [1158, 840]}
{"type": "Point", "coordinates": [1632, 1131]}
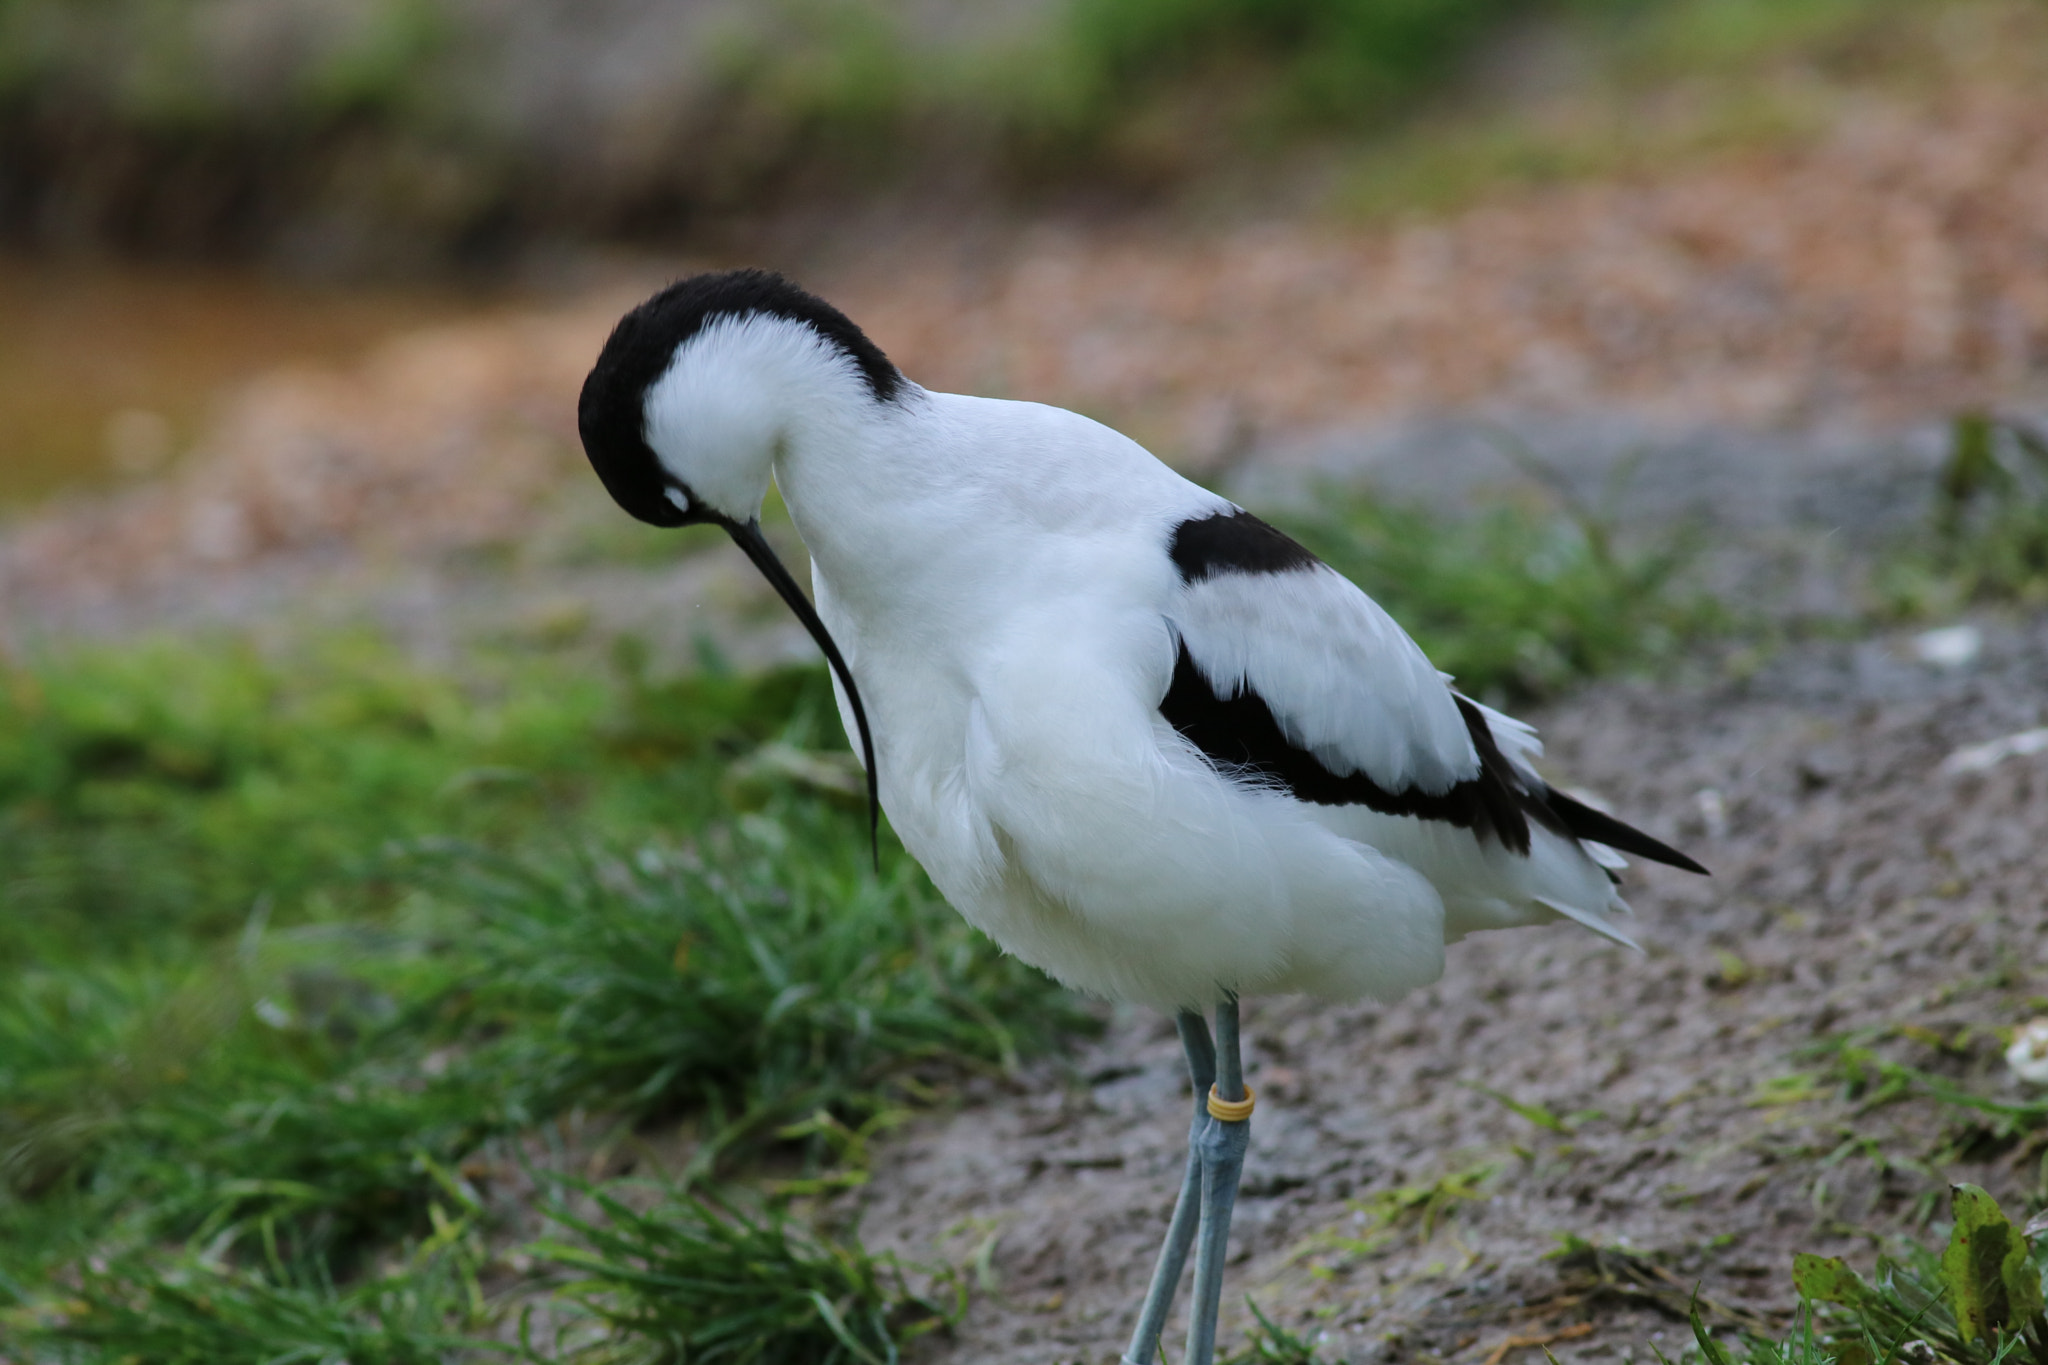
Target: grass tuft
{"type": "Point", "coordinates": [1987, 540]}
{"type": "Point", "coordinates": [1271, 1344]}
{"type": "Point", "coordinates": [1323, 61]}
{"type": "Point", "coordinates": [693, 1278]}
{"type": "Point", "coordinates": [1517, 602]}
{"type": "Point", "coordinates": [187, 1310]}
{"type": "Point", "coordinates": [758, 983]}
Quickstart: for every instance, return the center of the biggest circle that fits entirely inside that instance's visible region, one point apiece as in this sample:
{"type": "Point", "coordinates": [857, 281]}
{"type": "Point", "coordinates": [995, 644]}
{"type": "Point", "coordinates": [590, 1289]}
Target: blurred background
{"type": "Point", "coordinates": [1638, 339]}
{"type": "Point", "coordinates": [1218, 223]}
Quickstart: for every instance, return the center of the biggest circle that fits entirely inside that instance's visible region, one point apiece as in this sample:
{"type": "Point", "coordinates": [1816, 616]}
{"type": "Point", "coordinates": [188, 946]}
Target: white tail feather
{"type": "Point", "coordinates": [1592, 919]}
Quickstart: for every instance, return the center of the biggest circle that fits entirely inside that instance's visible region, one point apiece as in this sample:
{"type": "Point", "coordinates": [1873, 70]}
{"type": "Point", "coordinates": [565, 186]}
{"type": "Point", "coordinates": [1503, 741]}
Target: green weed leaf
{"type": "Point", "coordinates": [1991, 1281]}
{"type": "Point", "coordinates": [1711, 1351]}
{"type": "Point", "coordinates": [1828, 1279]}
{"type": "Point", "coordinates": [1535, 1113]}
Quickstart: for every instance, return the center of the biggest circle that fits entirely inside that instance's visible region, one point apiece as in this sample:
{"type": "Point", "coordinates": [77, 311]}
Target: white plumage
{"type": "Point", "coordinates": [1137, 737]}
{"type": "Point", "coordinates": [997, 576]}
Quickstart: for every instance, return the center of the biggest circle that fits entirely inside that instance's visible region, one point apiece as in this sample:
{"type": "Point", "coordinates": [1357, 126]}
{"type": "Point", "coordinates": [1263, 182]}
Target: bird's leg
{"type": "Point", "coordinates": [1173, 1254]}
{"type": "Point", "coordinates": [1221, 1144]}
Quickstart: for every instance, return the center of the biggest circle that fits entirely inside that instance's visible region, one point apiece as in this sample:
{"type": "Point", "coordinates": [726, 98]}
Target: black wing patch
{"type": "Point", "coordinates": [1233, 542]}
{"type": "Point", "coordinates": [1581, 821]}
{"type": "Point", "coordinates": [1239, 735]}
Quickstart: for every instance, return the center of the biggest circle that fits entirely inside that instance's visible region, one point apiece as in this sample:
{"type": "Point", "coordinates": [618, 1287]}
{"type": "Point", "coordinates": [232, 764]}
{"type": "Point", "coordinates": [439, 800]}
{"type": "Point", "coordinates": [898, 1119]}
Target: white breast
{"type": "Point", "coordinates": [1013, 671]}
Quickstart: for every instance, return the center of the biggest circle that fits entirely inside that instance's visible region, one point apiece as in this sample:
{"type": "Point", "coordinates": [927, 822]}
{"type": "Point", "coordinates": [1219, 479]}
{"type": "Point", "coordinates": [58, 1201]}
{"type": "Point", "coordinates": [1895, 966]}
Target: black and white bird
{"type": "Point", "coordinates": [1137, 736]}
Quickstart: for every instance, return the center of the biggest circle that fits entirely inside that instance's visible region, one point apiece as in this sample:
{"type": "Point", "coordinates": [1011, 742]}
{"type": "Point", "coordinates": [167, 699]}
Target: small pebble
{"type": "Point", "coordinates": [1977, 758]}
{"type": "Point", "coordinates": [1949, 647]}
{"type": "Point", "coordinates": [2028, 1055]}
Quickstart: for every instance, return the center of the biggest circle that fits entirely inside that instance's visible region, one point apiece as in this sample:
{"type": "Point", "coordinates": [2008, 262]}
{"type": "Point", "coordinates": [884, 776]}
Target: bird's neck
{"type": "Point", "coordinates": [847, 477]}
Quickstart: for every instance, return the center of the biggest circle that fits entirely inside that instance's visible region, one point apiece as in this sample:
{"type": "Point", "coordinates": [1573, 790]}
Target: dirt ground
{"type": "Point", "coordinates": [1855, 886]}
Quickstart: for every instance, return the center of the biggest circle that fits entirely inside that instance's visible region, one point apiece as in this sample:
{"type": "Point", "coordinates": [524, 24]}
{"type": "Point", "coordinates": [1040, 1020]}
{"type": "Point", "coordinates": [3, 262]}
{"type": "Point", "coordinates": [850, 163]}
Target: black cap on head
{"type": "Point", "coordinates": [611, 413]}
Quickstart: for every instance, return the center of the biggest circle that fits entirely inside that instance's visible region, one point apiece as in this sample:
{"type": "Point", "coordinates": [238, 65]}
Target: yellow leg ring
{"type": "Point", "coordinates": [1231, 1111]}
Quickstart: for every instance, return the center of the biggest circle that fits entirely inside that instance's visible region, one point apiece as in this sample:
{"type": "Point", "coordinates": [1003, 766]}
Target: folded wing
{"type": "Point", "coordinates": [1289, 675]}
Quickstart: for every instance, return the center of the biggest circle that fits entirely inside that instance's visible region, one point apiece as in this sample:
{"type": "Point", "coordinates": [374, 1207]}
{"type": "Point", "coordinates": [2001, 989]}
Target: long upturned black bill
{"type": "Point", "coordinates": [747, 535]}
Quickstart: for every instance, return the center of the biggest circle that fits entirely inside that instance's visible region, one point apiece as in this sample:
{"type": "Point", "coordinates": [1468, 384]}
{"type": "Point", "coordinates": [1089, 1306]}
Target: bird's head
{"type": "Point", "coordinates": [698, 389]}
{"type": "Point", "coordinates": [701, 387]}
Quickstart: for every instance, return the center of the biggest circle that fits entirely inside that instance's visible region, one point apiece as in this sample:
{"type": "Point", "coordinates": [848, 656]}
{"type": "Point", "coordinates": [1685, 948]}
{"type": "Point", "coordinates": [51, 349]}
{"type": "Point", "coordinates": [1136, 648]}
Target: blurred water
{"type": "Point", "coordinates": [108, 371]}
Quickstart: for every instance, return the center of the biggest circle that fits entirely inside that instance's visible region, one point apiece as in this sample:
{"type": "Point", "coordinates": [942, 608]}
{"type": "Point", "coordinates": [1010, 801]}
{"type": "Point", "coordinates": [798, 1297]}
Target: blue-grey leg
{"type": "Point", "coordinates": [1221, 1145]}
{"type": "Point", "coordinates": [1180, 1234]}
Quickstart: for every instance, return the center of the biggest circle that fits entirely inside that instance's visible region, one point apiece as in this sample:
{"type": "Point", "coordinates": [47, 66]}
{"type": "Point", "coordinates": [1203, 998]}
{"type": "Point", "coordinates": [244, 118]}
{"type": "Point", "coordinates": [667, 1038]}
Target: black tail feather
{"type": "Point", "coordinates": [1581, 821]}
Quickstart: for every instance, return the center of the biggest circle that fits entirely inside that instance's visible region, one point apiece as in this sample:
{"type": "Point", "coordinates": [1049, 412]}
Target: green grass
{"type": "Point", "coordinates": [301, 948]}
{"type": "Point", "coordinates": [1955, 1078]}
{"type": "Point", "coordinates": [1977, 1301]}
{"type": "Point", "coordinates": [1662, 82]}
{"type": "Point", "coordinates": [312, 1136]}
{"type": "Point", "coordinates": [1271, 1344]}
{"type": "Point", "coordinates": [153, 792]}
{"type": "Point", "coordinates": [188, 1310]}
{"type": "Point", "coordinates": [1521, 599]}
{"type": "Point", "coordinates": [696, 1279]}
{"type": "Point", "coordinates": [1988, 537]}
{"type": "Point", "coordinates": [761, 985]}
{"type": "Point", "coordinates": [1300, 62]}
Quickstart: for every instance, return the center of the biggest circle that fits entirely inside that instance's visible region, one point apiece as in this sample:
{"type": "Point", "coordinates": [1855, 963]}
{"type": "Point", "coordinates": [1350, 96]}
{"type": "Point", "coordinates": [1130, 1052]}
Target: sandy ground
{"type": "Point", "coordinates": [1855, 886]}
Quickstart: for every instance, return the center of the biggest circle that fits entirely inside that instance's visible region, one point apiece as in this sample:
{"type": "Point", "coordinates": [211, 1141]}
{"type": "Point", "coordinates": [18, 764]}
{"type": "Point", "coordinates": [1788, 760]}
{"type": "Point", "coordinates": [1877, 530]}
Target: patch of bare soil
{"type": "Point", "coordinates": [1856, 886]}
{"type": "Point", "coordinates": [1897, 266]}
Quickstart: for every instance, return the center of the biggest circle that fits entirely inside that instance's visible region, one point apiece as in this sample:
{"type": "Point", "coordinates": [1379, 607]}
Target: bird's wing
{"type": "Point", "coordinates": [1289, 675]}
